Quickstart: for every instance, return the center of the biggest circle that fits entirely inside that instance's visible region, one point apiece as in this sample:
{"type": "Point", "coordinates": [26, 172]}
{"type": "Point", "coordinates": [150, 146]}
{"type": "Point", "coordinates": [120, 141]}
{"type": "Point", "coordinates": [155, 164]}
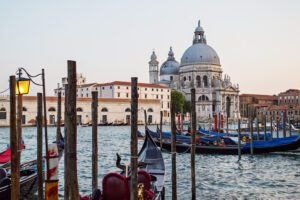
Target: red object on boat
{"type": "Point", "coordinates": [215, 121]}
{"type": "Point", "coordinates": [5, 155]}
{"type": "Point", "coordinates": [222, 121]}
{"type": "Point", "coordinates": [179, 121]}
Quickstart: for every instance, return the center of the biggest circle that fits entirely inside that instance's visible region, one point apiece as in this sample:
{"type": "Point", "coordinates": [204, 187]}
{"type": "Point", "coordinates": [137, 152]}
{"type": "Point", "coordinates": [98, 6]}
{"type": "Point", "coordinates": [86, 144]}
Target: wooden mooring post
{"type": "Point", "coordinates": [19, 131]}
{"type": "Point", "coordinates": [160, 129]}
{"type": "Point", "coordinates": [239, 139]}
{"type": "Point", "coordinates": [58, 123]}
{"type": "Point", "coordinates": [284, 123]}
{"type": "Point", "coordinates": [271, 127]}
{"type": "Point", "coordinates": [277, 127]}
{"type": "Point", "coordinates": [193, 148]}
{"type": "Point", "coordinates": [14, 141]}
{"type": "Point", "coordinates": [257, 128]}
{"type": "Point", "coordinates": [94, 140]}
{"type": "Point", "coordinates": [71, 131]}
{"type": "Point", "coordinates": [66, 160]}
{"type": "Point", "coordinates": [265, 128]}
{"type": "Point", "coordinates": [290, 126]}
{"type": "Point", "coordinates": [173, 151]}
{"type": "Point", "coordinates": [39, 124]}
{"type": "Point", "coordinates": [133, 143]}
{"type": "Point", "coordinates": [251, 136]}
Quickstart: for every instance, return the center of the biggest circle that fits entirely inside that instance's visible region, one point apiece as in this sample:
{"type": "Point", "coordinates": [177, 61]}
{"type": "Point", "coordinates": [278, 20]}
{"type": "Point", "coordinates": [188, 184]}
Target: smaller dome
{"type": "Point", "coordinates": [171, 66]}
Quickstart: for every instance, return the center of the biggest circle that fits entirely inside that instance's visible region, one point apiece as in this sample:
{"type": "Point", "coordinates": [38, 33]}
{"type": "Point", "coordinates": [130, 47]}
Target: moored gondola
{"type": "Point", "coordinates": [28, 177]}
{"type": "Point", "coordinates": [259, 147]}
{"type": "Point", "coordinates": [151, 173]}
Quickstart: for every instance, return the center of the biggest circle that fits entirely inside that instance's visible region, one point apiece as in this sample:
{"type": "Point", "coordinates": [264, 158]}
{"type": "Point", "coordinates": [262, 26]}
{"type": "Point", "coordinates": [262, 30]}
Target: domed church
{"type": "Point", "coordinates": [199, 68]}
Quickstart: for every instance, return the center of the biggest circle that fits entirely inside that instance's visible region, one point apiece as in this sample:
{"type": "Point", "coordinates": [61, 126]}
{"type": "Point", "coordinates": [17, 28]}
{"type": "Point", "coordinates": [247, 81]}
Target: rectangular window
{"type": "Point", "coordinates": [103, 88]}
{"type": "Point", "coordinates": [152, 89]}
{"type": "Point", "coordinates": [168, 96]}
{"type": "Point", "coordinates": [87, 95]}
{"type": "Point", "coordinates": [127, 88]}
{"type": "Point", "coordinates": [145, 89]}
{"type": "Point", "coordinates": [162, 96]}
{"type": "Point", "coordinates": [161, 90]}
{"type": "Point", "coordinates": [156, 96]}
{"type": "Point", "coordinates": [127, 95]}
{"type": "Point", "coordinates": [2, 115]}
{"type": "Point", "coordinates": [118, 87]}
{"type": "Point", "coordinates": [156, 90]}
{"type": "Point", "coordinates": [118, 94]}
{"type": "Point", "coordinates": [145, 96]}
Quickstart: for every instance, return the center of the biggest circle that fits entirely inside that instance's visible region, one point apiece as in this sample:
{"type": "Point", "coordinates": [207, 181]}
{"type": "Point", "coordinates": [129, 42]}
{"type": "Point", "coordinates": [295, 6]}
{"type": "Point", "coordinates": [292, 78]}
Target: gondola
{"type": "Point", "coordinates": [151, 174]}
{"type": "Point", "coordinates": [28, 177]}
{"type": "Point", "coordinates": [259, 147]}
{"type": "Point", "coordinates": [246, 134]}
{"type": "Point", "coordinates": [5, 155]}
{"type": "Point", "coordinates": [28, 181]}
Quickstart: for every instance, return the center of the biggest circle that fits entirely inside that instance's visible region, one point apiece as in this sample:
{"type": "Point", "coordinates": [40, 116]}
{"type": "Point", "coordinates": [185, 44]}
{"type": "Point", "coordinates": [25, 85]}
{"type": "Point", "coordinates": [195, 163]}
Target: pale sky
{"type": "Point", "coordinates": [258, 42]}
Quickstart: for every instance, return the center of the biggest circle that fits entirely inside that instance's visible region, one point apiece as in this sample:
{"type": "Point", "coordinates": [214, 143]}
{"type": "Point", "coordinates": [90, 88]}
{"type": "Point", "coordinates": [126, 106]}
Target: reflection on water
{"type": "Point", "coordinates": [274, 176]}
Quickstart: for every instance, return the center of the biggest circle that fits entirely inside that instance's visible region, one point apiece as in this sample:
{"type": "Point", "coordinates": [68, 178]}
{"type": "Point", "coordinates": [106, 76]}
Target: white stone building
{"type": "Point", "coordinates": [122, 90]}
{"type": "Point", "coordinates": [199, 68]}
{"type": "Point", "coordinates": [110, 110]}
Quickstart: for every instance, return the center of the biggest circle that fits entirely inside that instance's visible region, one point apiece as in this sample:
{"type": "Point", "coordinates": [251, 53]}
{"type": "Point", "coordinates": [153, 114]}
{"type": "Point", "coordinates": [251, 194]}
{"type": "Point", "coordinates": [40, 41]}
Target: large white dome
{"type": "Point", "coordinates": [200, 53]}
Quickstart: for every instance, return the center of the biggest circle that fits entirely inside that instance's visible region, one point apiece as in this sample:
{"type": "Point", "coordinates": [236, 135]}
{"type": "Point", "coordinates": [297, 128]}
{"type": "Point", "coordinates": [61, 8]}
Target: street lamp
{"type": "Point", "coordinates": [23, 84]}
{"type": "Point", "coordinates": [22, 87]}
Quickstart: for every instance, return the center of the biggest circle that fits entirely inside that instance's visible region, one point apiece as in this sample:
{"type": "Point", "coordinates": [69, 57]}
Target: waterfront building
{"type": "Point", "coordinates": [250, 104]}
{"type": "Point", "coordinates": [199, 68]}
{"type": "Point", "coordinates": [258, 105]}
{"type": "Point", "coordinates": [110, 110]}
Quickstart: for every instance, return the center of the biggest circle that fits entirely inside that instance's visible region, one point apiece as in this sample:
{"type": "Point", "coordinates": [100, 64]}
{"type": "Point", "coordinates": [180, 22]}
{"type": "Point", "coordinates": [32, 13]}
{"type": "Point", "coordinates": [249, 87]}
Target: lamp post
{"type": "Point", "coordinates": [22, 87]}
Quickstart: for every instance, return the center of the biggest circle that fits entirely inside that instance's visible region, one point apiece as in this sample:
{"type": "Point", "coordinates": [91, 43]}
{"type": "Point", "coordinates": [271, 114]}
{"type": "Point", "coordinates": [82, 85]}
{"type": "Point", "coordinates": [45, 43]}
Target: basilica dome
{"type": "Point", "coordinates": [170, 66]}
{"type": "Point", "coordinates": [200, 52]}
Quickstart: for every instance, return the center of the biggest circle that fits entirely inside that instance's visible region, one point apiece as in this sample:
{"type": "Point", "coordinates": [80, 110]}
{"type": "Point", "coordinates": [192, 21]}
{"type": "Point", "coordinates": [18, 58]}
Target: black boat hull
{"type": "Point", "coordinates": [230, 150]}
{"type": "Point", "coordinates": [28, 186]}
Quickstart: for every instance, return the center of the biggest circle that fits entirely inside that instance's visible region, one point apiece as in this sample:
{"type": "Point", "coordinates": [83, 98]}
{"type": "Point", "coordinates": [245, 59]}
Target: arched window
{"type": "Point", "coordinates": [24, 109]}
{"type": "Point", "coordinates": [171, 78]}
{"type": "Point", "coordinates": [198, 79]}
{"type": "Point", "coordinates": [203, 98]}
{"type": "Point", "coordinates": [205, 81]}
{"type": "Point", "coordinates": [104, 110]}
{"type": "Point", "coordinates": [127, 110]}
{"type": "Point", "coordinates": [2, 113]}
{"type": "Point", "coordinates": [52, 109]}
{"type": "Point", "coordinates": [184, 78]}
{"type": "Point", "coordinates": [79, 109]}
{"type": "Point", "coordinates": [150, 110]}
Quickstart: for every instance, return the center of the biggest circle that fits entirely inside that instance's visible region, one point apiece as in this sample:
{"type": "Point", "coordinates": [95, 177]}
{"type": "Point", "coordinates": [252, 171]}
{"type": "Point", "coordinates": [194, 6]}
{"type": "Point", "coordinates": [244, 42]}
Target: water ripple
{"type": "Point", "coordinates": [273, 176]}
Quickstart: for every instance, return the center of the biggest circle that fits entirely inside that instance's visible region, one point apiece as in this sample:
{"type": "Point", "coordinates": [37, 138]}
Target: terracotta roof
{"type": "Point", "coordinates": [129, 83]}
{"type": "Point", "coordinates": [260, 96]}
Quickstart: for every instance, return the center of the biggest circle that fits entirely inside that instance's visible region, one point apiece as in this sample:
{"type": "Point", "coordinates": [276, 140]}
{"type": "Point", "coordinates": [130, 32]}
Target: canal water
{"type": "Point", "coordinates": [271, 176]}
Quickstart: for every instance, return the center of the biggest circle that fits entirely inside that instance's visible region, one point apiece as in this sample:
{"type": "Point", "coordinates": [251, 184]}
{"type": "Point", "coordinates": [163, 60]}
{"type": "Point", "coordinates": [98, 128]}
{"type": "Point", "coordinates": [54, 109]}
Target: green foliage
{"type": "Point", "coordinates": [187, 107]}
{"type": "Point", "coordinates": [178, 100]}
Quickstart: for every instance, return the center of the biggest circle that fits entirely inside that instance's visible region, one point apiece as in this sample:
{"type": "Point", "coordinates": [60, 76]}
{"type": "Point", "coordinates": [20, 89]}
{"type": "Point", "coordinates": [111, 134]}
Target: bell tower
{"type": "Point", "coordinates": [153, 69]}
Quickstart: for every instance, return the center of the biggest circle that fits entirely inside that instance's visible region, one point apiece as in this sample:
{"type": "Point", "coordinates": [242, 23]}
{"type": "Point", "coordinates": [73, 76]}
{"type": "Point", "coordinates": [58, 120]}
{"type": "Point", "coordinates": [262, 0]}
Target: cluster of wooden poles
{"type": "Point", "coordinates": [71, 188]}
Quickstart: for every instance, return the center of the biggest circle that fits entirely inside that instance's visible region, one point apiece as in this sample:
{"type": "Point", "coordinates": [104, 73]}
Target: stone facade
{"type": "Point", "coordinates": [200, 68]}
{"type": "Point", "coordinates": [110, 110]}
